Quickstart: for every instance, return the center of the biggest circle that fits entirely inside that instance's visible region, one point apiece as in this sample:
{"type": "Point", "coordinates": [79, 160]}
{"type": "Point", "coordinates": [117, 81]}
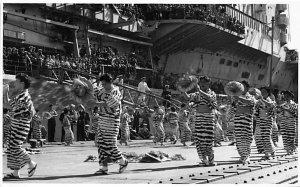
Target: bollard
{"type": "Point", "coordinates": [253, 179]}
{"type": "Point", "coordinates": [245, 181]}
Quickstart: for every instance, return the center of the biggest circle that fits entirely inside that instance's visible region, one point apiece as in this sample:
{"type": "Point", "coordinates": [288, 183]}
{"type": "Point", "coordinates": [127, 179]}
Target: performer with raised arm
{"type": "Point", "coordinates": [108, 99]}
{"type": "Point", "coordinates": [243, 122]}
{"type": "Point", "coordinates": [206, 102]}
{"type": "Point", "coordinates": [22, 113]}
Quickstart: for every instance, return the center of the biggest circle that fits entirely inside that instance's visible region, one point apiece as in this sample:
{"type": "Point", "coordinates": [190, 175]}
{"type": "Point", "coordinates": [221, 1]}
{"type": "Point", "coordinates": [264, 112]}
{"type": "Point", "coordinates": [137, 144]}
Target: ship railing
{"type": "Point", "coordinates": [247, 20]}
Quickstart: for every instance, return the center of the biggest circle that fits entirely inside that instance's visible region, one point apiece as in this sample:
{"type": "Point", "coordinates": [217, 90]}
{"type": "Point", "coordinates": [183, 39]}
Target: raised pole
{"type": "Point", "coordinates": [272, 45]}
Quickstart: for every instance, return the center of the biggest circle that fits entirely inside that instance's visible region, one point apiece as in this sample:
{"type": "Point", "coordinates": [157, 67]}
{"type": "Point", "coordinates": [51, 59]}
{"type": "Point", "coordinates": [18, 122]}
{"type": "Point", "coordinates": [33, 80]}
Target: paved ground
{"type": "Point", "coordinates": [61, 164]}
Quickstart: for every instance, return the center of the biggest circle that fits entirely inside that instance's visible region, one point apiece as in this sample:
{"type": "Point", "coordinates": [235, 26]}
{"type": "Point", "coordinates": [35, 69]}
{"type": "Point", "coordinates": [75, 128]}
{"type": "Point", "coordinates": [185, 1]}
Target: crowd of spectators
{"type": "Point", "coordinates": [28, 60]}
{"type": "Point", "coordinates": [211, 13]}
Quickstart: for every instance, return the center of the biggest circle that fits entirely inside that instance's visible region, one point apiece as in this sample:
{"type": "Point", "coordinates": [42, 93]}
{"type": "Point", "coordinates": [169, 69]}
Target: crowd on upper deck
{"type": "Point", "coordinates": [211, 13]}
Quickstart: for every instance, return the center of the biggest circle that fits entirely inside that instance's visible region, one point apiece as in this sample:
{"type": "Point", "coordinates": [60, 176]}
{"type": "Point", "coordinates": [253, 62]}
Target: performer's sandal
{"type": "Point", "coordinates": [31, 171]}
{"type": "Point", "coordinates": [10, 176]}
{"type": "Point", "coordinates": [101, 172]}
{"type": "Point", "coordinates": [123, 167]}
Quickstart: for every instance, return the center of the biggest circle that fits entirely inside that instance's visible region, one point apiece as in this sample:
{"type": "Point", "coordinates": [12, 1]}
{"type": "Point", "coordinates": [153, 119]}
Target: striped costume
{"type": "Point", "coordinates": [289, 126]}
{"type": "Point", "coordinates": [257, 133]}
{"type": "Point", "coordinates": [23, 110]}
{"type": "Point", "coordinates": [36, 127]}
{"type": "Point", "coordinates": [124, 127]}
{"type": "Point", "coordinates": [6, 128]}
{"type": "Point", "coordinates": [95, 125]}
{"type": "Point", "coordinates": [264, 122]}
{"type": "Point", "coordinates": [109, 124]}
{"type": "Point", "coordinates": [192, 123]}
{"type": "Point", "coordinates": [158, 124]}
{"type": "Point", "coordinates": [185, 131]}
{"type": "Point", "coordinates": [204, 125]}
{"type": "Point", "coordinates": [173, 121]}
{"type": "Point", "coordinates": [243, 126]}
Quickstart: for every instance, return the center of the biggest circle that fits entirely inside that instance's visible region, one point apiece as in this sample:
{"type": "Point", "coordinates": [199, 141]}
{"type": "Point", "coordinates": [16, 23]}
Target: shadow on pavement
{"type": "Point", "coordinates": [187, 167]}
{"type": "Point", "coordinates": [60, 177]}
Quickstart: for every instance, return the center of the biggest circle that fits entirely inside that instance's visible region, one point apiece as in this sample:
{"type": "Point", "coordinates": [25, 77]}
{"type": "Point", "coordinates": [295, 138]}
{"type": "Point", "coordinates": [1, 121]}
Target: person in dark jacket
{"type": "Point", "coordinates": [83, 120]}
{"type": "Point", "coordinates": [166, 94]}
{"type": "Point", "coordinates": [51, 123]}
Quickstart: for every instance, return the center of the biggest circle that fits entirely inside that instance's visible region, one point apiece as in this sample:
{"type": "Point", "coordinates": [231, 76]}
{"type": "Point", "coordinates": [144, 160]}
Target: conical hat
{"type": "Point", "coordinates": [234, 88]}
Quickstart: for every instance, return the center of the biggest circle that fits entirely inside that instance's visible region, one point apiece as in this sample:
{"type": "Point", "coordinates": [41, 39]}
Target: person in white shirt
{"type": "Point", "coordinates": [143, 87]}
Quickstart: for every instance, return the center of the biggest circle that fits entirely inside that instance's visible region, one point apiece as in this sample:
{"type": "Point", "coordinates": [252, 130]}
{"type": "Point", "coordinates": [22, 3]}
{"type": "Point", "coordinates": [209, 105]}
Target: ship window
{"type": "Point", "coordinates": [245, 75]}
{"type": "Point", "coordinates": [236, 64]}
{"type": "Point", "coordinates": [222, 61]}
{"type": "Point", "coordinates": [261, 77]}
{"type": "Point", "coordinates": [229, 62]}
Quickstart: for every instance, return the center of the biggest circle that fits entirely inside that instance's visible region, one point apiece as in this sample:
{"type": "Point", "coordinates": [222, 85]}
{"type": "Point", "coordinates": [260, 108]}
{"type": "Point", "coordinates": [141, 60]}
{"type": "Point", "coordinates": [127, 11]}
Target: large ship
{"type": "Point", "coordinates": [223, 41]}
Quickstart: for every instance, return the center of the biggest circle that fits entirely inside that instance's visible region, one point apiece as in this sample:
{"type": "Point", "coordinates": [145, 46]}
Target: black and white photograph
{"type": "Point", "coordinates": [149, 93]}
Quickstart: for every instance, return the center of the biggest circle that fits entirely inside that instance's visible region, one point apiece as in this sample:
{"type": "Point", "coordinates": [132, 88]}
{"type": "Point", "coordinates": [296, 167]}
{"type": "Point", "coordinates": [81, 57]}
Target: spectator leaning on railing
{"type": "Point", "coordinates": [26, 61]}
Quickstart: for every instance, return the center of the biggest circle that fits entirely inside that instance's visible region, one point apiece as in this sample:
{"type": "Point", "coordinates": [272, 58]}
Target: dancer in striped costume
{"type": "Point", "coordinates": [173, 121]}
{"type": "Point", "coordinates": [109, 103]}
{"type": "Point", "coordinates": [124, 127]}
{"type": "Point", "coordinates": [206, 102]}
{"type": "Point", "coordinates": [6, 127]}
{"type": "Point", "coordinates": [158, 117]}
{"type": "Point", "coordinates": [69, 135]}
{"type": "Point", "coordinates": [265, 122]}
{"type": "Point", "coordinates": [257, 132]}
{"type": "Point", "coordinates": [288, 122]}
{"type": "Point", "coordinates": [185, 131]}
{"type": "Point", "coordinates": [95, 123]}
{"type": "Point", "coordinates": [243, 123]}
{"type": "Point", "coordinates": [22, 112]}
{"type": "Point", "coordinates": [36, 126]}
